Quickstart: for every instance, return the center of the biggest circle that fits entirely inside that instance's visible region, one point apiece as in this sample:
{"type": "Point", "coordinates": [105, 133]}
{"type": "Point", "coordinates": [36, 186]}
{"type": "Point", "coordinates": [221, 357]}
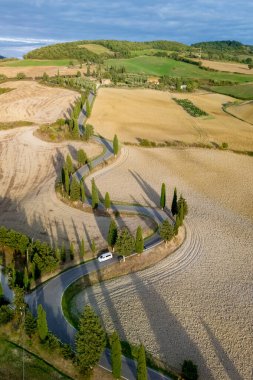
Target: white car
{"type": "Point", "coordinates": [105, 256]}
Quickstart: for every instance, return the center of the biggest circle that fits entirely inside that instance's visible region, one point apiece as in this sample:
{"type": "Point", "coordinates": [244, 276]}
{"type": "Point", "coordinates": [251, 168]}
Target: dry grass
{"type": "Point", "coordinates": [153, 115]}
{"type": "Point", "coordinates": [227, 66]}
{"type": "Point", "coordinates": [33, 102]}
{"type": "Point", "coordinates": [243, 111]}
{"type": "Point", "coordinates": [38, 71]}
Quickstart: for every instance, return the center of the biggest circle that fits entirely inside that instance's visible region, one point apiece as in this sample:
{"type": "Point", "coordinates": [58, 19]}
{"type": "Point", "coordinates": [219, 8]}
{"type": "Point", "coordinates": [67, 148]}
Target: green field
{"type": "Point", "coordinates": [11, 364]}
{"type": "Point", "coordinates": [160, 66]}
{"type": "Point", "coordinates": [241, 91]}
{"type": "Point", "coordinates": [97, 49]}
{"type": "Point", "coordinates": [34, 62]}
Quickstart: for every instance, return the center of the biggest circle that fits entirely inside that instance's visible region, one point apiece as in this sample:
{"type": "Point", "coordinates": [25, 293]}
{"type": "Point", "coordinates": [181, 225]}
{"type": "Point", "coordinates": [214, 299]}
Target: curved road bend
{"type": "Point", "coordinates": [49, 294]}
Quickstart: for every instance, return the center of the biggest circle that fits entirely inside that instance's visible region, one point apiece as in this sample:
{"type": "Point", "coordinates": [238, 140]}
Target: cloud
{"type": "Point", "coordinates": [27, 40]}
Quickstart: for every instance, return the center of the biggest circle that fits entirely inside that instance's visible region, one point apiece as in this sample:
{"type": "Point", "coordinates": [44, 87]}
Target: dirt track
{"type": "Point", "coordinates": [31, 101]}
{"type": "Point", "coordinates": [153, 115]}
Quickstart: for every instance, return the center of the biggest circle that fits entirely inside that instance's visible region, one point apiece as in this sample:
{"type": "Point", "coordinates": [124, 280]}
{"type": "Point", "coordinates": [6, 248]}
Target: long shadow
{"type": "Point", "coordinates": [224, 359]}
{"type": "Point", "coordinates": [169, 333]}
{"type": "Point", "coordinates": [149, 191]}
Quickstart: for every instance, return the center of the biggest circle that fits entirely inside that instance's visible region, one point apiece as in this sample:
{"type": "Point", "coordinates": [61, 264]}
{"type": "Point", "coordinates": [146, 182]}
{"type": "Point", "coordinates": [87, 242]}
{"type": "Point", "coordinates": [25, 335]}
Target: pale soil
{"type": "Point", "coordinates": [153, 115]}
{"type": "Point", "coordinates": [201, 308]}
{"type": "Point", "coordinates": [31, 101]}
{"type": "Point", "coordinates": [38, 71]}
{"type": "Point", "coordinates": [232, 67]}
{"type": "Point", "coordinates": [243, 111]}
{"type": "Point", "coordinates": [28, 202]}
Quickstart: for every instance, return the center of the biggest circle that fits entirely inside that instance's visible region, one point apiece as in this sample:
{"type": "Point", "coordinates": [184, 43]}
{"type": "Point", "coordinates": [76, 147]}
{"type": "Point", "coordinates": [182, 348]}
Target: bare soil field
{"type": "Point", "coordinates": [38, 71]}
{"type": "Point", "coordinates": [154, 115]}
{"type": "Point", "coordinates": [232, 67]}
{"type": "Point", "coordinates": [31, 101]}
{"type": "Point", "coordinates": [28, 202]}
{"type": "Point", "coordinates": [243, 111]}
{"type": "Point", "coordinates": [201, 310]}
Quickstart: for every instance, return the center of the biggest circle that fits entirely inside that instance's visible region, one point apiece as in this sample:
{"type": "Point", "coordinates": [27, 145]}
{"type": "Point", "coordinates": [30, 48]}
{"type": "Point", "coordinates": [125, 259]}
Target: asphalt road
{"type": "Point", "coordinates": [49, 294]}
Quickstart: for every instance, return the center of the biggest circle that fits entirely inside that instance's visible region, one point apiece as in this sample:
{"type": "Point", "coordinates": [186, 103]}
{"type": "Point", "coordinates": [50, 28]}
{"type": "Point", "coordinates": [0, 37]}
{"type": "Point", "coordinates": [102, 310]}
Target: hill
{"type": "Point", "coordinates": [95, 51]}
{"type": "Point", "coordinates": [224, 49]}
{"type": "Point", "coordinates": [2, 57]}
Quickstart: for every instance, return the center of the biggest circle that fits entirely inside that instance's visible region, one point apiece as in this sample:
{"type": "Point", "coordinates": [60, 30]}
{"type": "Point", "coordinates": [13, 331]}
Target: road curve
{"type": "Point", "coordinates": [49, 294]}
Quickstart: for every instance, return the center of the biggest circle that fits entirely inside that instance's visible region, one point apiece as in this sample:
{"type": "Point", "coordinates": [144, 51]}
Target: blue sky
{"type": "Point", "coordinates": [26, 24]}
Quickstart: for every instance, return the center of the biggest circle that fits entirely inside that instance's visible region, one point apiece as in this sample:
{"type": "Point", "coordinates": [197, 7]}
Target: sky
{"type": "Point", "coordinates": [28, 24]}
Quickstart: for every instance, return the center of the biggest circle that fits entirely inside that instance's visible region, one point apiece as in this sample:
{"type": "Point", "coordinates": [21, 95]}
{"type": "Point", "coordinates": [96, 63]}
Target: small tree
{"type": "Point", "coordinates": [83, 196]}
{"type": "Point", "coordinates": [66, 181]}
{"type": "Point", "coordinates": [75, 189]}
{"type": "Point", "coordinates": [141, 364]}
{"type": "Point", "coordinates": [75, 130]}
{"type": "Point", "coordinates": [125, 243]}
{"type": "Point", "coordinates": [42, 323]}
{"type": "Point", "coordinates": [139, 242]}
{"type": "Point", "coordinates": [182, 204]}
{"type": "Point", "coordinates": [163, 196]}
{"type": "Point", "coordinates": [81, 157]}
{"type": "Point", "coordinates": [82, 249]}
{"type": "Point", "coordinates": [190, 370]}
{"type": "Point", "coordinates": [166, 231]}
{"type": "Point", "coordinates": [30, 324]}
{"type": "Point", "coordinates": [88, 109]}
{"type": "Point", "coordinates": [174, 208]}
{"type": "Point", "coordinates": [112, 234]}
{"type": "Point", "coordinates": [88, 132]}
{"type": "Point", "coordinates": [69, 164]}
{"type": "Point", "coordinates": [90, 341]}
{"type": "Point", "coordinates": [94, 194]}
{"type": "Point", "coordinates": [177, 224]}
{"type": "Point", "coordinates": [115, 355]}
{"type": "Point", "coordinates": [93, 246]}
{"type": "Point", "coordinates": [115, 145]}
{"type": "Point", "coordinates": [107, 201]}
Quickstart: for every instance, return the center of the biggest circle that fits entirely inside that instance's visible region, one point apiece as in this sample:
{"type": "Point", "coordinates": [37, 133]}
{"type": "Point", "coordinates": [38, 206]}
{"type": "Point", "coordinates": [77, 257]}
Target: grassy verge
{"type": "Point", "coordinates": [11, 364]}
{"type": "Point", "coordinates": [240, 91]}
{"type": "Point", "coordinates": [14, 124]}
{"type": "Point", "coordinates": [5, 90]}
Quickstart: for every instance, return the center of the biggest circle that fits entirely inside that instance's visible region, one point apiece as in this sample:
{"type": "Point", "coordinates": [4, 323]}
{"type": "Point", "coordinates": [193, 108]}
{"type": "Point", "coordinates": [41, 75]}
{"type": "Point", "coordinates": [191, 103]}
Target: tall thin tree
{"type": "Point", "coordinates": [174, 207]}
{"type": "Point", "coordinates": [139, 242]}
{"type": "Point", "coordinates": [163, 196]}
{"type": "Point", "coordinates": [116, 355]}
{"type": "Point", "coordinates": [115, 145]}
{"type": "Point", "coordinates": [141, 364]}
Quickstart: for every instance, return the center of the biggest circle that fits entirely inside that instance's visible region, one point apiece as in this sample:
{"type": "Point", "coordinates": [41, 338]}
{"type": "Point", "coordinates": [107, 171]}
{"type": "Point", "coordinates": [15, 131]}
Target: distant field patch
{"type": "Point", "coordinates": [97, 49]}
{"type": "Point", "coordinates": [228, 66]}
{"type": "Point", "coordinates": [34, 62]}
{"type": "Point", "coordinates": [159, 66]}
{"type": "Point", "coordinates": [241, 91]}
{"type": "Point", "coordinates": [243, 111]}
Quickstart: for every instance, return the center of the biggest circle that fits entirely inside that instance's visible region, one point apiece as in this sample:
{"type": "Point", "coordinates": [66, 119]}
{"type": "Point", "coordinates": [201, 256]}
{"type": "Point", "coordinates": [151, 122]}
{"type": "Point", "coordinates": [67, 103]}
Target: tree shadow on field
{"type": "Point", "coordinates": [148, 190]}
{"type": "Point", "coordinates": [171, 338]}
{"type": "Point", "coordinates": [224, 359]}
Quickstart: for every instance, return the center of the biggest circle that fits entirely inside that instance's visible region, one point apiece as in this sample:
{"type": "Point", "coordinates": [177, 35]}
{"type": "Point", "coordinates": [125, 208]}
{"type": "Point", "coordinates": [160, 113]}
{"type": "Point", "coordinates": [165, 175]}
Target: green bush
{"type": "Point", "coordinates": [190, 107]}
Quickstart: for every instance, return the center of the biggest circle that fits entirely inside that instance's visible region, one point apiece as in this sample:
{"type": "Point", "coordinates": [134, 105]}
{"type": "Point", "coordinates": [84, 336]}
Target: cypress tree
{"type": "Point", "coordinates": [139, 242]}
{"type": "Point", "coordinates": [112, 234]}
{"type": "Point", "coordinates": [93, 246]}
{"type": "Point", "coordinates": [72, 251]}
{"type": "Point", "coordinates": [69, 165]}
{"type": "Point", "coordinates": [75, 189]}
{"type": "Point", "coordinates": [63, 253]}
{"type": "Point", "coordinates": [174, 207]}
{"type": "Point", "coordinates": [107, 201]}
{"type": "Point", "coordinates": [42, 323]}
{"type": "Point", "coordinates": [75, 130]}
{"type": "Point", "coordinates": [90, 341]}
{"type": "Point", "coordinates": [182, 203]}
{"type": "Point", "coordinates": [83, 196]}
{"type": "Point", "coordinates": [94, 194]}
{"type": "Point", "coordinates": [82, 249]}
{"type": "Point", "coordinates": [58, 253]}
{"type": "Point", "coordinates": [115, 145]}
{"type": "Point", "coordinates": [116, 355]}
{"type": "Point", "coordinates": [163, 196]}
{"type": "Point", "coordinates": [177, 224]}
{"type": "Point", "coordinates": [26, 279]}
{"type": "Point", "coordinates": [141, 364]}
{"type": "Point", "coordinates": [66, 180]}
{"type": "Point", "coordinates": [88, 109]}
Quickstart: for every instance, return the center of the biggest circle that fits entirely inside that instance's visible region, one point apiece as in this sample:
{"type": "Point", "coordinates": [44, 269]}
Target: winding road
{"type": "Point", "coordinates": [49, 294]}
